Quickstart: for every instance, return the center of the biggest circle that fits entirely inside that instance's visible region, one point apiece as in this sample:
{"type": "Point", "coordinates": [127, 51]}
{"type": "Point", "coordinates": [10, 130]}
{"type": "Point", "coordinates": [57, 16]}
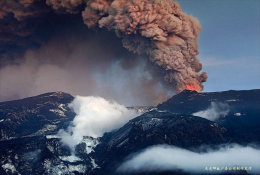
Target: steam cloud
{"type": "Point", "coordinates": [155, 29]}
{"type": "Point", "coordinates": [214, 112]}
{"type": "Point", "coordinates": [169, 158]}
{"type": "Point", "coordinates": [94, 117]}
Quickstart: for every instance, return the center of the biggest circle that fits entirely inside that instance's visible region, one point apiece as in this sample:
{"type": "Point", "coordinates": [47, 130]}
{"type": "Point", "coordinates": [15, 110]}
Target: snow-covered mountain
{"type": "Point", "coordinates": [30, 144]}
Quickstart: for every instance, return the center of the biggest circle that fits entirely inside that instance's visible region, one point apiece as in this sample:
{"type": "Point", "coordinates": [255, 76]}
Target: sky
{"type": "Point", "coordinates": [229, 42]}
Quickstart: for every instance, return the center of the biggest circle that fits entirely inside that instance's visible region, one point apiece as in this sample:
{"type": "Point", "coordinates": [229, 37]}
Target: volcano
{"type": "Point", "coordinates": [30, 143]}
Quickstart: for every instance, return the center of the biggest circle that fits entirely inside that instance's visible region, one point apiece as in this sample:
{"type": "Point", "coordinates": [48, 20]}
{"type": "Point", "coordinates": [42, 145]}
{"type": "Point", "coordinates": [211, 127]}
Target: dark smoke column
{"type": "Point", "coordinates": [157, 28]}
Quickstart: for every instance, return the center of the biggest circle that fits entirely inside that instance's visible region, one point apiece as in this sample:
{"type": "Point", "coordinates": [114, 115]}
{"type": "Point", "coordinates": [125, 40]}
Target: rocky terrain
{"type": "Point", "coordinates": [30, 144]}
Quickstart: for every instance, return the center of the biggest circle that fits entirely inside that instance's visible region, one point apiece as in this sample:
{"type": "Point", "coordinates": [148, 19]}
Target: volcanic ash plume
{"type": "Point", "coordinates": [154, 28]}
{"type": "Point", "coordinates": [157, 28]}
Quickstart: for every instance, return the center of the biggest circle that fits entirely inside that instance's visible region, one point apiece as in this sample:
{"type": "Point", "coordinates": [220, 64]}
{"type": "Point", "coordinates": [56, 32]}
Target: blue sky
{"type": "Point", "coordinates": [229, 42]}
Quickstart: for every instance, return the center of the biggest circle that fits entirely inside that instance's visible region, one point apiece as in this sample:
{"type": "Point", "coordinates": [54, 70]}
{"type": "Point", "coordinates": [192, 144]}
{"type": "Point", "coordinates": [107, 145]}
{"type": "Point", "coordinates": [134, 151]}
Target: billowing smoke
{"type": "Point", "coordinates": [154, 29]}
{"type": "Point", "coordinates": [94, 117]}
{"type": "Point", "coordinates": [169, 158]}
{"type": "Point", "coordinates": [215, 111]}
{"type": "Point", "coordinates": [76, 63]}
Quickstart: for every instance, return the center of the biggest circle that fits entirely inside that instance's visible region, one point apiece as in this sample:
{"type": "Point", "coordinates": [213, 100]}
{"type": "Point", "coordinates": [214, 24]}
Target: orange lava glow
{"type": "Point", "coordinates": [192, 88]}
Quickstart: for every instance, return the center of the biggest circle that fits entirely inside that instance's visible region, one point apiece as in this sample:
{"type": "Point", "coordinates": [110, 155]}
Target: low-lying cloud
{"type": "Point", "coordinates": [214, 112]}
{"type": "Point", "coordinates": [94, 117]}
{"type": "Point", "coordinates": [169, 158]}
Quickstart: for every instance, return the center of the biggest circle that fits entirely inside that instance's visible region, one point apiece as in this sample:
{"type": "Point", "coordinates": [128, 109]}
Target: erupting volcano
{"type": "Point", "coordinates": [193, 88]}
{"type": "Point", "coordinates": [157, 31]}
{"type": "Point", "coordinates": [115, 87]}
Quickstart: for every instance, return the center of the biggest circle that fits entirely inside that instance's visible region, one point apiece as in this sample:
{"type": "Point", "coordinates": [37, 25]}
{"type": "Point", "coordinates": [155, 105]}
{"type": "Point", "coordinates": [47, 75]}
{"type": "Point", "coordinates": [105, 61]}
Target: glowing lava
{"type": "Point", "coordinates": [192, 87]}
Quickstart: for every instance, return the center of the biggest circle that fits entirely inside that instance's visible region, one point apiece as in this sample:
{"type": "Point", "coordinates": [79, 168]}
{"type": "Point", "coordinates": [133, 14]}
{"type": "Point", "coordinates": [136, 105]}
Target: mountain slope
{"type": "Point", "coordinates": [242, 117]}
{"type": "Point", "coordinates": [37, 115]}
{"type": "Point", "coordinates": [189, 102]}
{"type": "Point", "coordinates": [30, 144]}
{"type": "Point", "coordinates": [154, 128]}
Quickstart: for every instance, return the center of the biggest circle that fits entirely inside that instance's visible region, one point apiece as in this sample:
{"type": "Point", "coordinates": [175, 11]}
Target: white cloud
{"type": "Point", "coordinates": [94, 117]}
{"type": "Point", "coordinates": [214, 112]}
{"type": "Point", "coordinates": [164, 158]}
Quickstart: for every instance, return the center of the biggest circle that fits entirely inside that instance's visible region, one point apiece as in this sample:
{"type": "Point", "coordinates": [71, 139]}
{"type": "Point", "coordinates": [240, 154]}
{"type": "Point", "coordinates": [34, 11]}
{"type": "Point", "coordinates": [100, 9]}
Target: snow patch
{"type": "Point", "coordinates": [62, 107]}
{"type": "Point", "coordinates": [52, 137]}
{"type": "Point", "coordinates": [9, 167]}
{"type": "Point", "coordinates": [237, 114]}
{"type": "Point", "coordinates": [230, 100]}
{"type": "Point", "coordinates": [91, 143]}
{"type": "Point", "coordinates": [58, 111]}
{"type": "Point", "coordinates": [93, 163]}
{"type": "Point", "coordinates": [62, 169]}
{"type": "Point", "coordinates": [50, 148]}
{"type": "Point", "coordinates": [151, 123]}
{"type": "Point", "coordinates": [45, 129]}
{"type": "Point", "coordinates": [71, 158]}
{"type": "Point", "coordinates": [78, 168]}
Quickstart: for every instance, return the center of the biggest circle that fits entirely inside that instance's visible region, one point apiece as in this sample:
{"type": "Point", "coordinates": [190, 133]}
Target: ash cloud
{"type": "Point", "coordinates": [215, 111]}
{"type": "Point", "coordinates": [158, 29]}
{"type": "Point", "coordinates": [94, 117]}
{"type": "Point", "coordinates": [164, 37]}
{"type": "Point", "coordinates": [169, 158]}
{"type": "Point", "coordinates": [77, 62]}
